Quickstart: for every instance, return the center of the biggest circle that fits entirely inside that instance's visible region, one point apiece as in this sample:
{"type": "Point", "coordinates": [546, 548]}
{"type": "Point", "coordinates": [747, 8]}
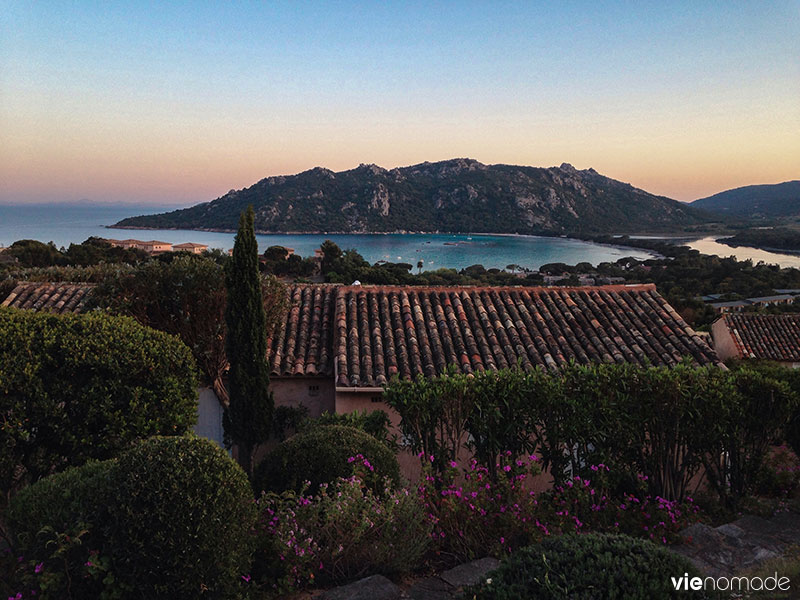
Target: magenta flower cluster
{"type": "Point", "coordinates": [476, 510]}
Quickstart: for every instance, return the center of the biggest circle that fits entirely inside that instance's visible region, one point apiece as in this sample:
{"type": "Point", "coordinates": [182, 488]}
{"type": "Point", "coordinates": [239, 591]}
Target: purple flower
{"type": "Point", "coordinates": [38, 568]}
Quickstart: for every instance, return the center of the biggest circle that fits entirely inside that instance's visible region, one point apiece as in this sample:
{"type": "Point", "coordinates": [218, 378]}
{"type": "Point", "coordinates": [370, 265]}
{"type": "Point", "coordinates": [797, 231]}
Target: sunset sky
{"type": "Point", "coordinates": [178, 103]}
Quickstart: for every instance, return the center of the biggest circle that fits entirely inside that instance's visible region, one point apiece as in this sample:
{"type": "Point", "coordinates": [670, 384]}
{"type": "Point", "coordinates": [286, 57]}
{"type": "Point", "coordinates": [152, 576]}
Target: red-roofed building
{"type": "Point", "coordinates": [340, 345]}
{"type": "Point", "coordinates": [766, 337]}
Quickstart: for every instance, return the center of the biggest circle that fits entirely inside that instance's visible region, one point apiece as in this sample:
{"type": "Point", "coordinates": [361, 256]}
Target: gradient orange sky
{"type": "Point", "coordinates": [180, 103]}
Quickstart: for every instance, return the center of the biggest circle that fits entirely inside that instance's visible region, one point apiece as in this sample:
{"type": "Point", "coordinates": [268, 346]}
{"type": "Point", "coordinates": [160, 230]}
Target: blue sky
{"type": "Point", "coordinates": [183, 101]}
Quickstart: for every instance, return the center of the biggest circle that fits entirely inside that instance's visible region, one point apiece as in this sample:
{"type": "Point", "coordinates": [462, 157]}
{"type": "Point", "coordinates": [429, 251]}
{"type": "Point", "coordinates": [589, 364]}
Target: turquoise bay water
{"type": "Point", "coordinates": [65, 224]}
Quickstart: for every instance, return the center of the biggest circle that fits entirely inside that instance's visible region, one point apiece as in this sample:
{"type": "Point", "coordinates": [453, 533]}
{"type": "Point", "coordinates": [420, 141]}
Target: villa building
{"type": "Point", "coordinates": [339, 345]}
{"type": "Point", "coordinates": [156, 247]}
{"type": "Point", "coordinates": [766, 337]}
{"type": "Point", "coordinates": [190, 247]}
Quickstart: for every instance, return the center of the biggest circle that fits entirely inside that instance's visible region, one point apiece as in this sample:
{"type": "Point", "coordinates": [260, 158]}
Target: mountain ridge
{"type": "Point", "coordinates": [456, 195]}
{"type": "Point", "coordinates": [755, 201]}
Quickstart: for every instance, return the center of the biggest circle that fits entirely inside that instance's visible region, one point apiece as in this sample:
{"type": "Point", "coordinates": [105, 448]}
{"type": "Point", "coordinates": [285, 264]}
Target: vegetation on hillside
{"type": "Point", "coordinates": [459, 195]}
{"type": "Point", "coordinates": [778, 238]}
{"type": "Point", "coordinates": [780, 200]}
{"type": "Point", "coordinates": [32, 253]}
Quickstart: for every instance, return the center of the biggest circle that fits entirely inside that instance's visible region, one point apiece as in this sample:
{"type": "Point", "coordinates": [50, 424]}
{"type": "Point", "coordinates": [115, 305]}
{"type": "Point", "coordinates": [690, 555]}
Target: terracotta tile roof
{"type": "Point", "coordinates": [770, 337]}
{"type": "Point", "coordinates": [50, 297]}
{"type": "Point", "coordinates": [371, 333]}
{"type": "Point", "coordinates": [302, 345]}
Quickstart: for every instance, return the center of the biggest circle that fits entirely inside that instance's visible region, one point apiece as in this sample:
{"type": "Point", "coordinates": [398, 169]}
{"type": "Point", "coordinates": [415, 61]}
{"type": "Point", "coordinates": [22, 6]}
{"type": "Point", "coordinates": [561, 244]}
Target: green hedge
{"type": "Point", "coordinates": [80, 387]}
{"type": "Point", "coordinates": [667, 424]}
{"type": "Point", "coordinates": [321, 455]}
{"type": "Point", "coordinates": [592, 566]}
{"type": "Point", "coordinates": [181, 519]}
{"type": "Point", "coordinates": [173, 517]}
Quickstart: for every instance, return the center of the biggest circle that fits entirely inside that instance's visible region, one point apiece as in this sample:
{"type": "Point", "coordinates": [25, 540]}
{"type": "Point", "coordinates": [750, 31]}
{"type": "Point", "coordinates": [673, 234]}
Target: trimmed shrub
{"type": "Point", "coordinates": [181, 519]}
{"type": "Point", "coordinates": [376, 423]}
{"type": "Point", "coordinates": [171, 518]}
{"type": "Point", "coordinates": [587, 566]}
{"type": "Point", "coordinates": [80, 387]}
{"type": "Point", "coordinates": [321, 456]}
{"type": "Point", "coordinates": [53, 524]}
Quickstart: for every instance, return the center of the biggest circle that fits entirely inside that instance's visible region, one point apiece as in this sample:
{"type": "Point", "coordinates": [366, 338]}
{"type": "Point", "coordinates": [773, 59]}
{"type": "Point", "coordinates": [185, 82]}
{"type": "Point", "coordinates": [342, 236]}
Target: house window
{"type": "Point", "coordinates": [313, 390]}
{"type": "Point", "coordinates": [376, 399]}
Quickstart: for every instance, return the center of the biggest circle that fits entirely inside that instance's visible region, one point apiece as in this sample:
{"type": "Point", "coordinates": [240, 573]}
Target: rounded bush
{"type": "Point", "coordinates": [592, 566]}
{"type": "Point", "coordinates": [321, 455]}
{"type": "Point", "coordinates": [181, 519]}
{"type": "Point", "coordinates": [81, 387]}
{"type": "Point", "coordinates": [173, 517]}
{"type": "Point", "coordinates": [52, 524]}
{"type": "Point", "coordinates": [61, 500]}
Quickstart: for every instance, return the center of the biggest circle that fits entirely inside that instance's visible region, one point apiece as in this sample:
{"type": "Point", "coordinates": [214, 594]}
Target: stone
{"type": "Point", "coordinates": [470, 573]}
{"type": "Point", "coordinates": [376, 587]}
{"type": "Point", "coordinates": [431, 588]}
{"type": "Point", "coordinates": [731, 530]}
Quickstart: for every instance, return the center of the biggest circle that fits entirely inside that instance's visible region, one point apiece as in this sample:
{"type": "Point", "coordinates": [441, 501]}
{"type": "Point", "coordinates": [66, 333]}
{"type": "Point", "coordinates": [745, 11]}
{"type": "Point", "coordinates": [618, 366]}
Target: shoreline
{"type": "Point", "coordinates": [408, 232]}
{"type": "Point", "coordinates": [655, 255]}
{"type": "Point", "coordinates": [770, 249]}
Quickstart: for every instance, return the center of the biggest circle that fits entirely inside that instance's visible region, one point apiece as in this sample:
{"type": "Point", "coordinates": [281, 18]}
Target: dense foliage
{"type": "Point", "coordinates": [667, 424]}
{"type": "Point", "coordinates": [474, 514]}
{"type": "Point", "coordinates": [171, 518]}
{"type": "Point", "coordinates": [277, 260]}
{"type": "Point", "coordinates": [186, 297]}
{"type": "Point", "coordinates": [180, 519]}
{"type": "Point", "coordinates": [247, 418]}
{"type": "Point", "coordinates": [685, 275]}
{"type": "Point", "coordinates": [77, 387]}
{"type": "Point", "coordinates": [450, 196]}
{"type": "Point", "coordinates": [31, 253]}
{"type": "Point", "coordinates": [56, 533]}
{"type": "Point", "coordinates": [612, 567]}
{"type": "Point", "coordinates": [345, 531]}
{"type": "Point", "coordinates": [320, 455]}
{"type": "Point", "coordinates": [376, 423]}
{"type": "Point", "coordinates": [779, 238]}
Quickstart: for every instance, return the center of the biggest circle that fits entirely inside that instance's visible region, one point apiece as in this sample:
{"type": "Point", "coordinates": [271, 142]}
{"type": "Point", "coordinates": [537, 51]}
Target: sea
{"type": "Point", "coordinates": [64, 224]}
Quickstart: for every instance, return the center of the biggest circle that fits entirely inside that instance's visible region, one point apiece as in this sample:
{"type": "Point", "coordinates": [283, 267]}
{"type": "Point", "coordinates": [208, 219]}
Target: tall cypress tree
{"type": "Point", "coordinates": [249, 414]}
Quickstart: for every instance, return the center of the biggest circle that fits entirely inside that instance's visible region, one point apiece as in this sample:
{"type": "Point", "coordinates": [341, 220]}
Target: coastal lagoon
{"type": "Point", "coordinates": [710, 245]}
{"type": "Point", "coordinates": [64, 224]}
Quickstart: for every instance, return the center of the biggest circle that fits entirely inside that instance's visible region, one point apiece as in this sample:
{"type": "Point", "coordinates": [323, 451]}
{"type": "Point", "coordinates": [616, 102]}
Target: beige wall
{"type": "Point", "coordinates": [294, 391]}
{"type": "Point", "coordinates": [347, 402]}
{"type": "Point", "coordinates": [723, 341]}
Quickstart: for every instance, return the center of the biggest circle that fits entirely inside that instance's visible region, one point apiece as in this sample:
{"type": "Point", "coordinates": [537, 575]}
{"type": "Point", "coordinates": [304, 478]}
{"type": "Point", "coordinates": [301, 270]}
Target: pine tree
{"type": "Point", "coordinates": [248, 417]}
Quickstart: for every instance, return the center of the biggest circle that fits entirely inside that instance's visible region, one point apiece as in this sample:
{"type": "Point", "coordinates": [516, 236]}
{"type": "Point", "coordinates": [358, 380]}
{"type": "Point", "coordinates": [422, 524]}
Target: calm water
{"type": "Point", "coordinates": [709, 245]}
{"type": "Point", "coordinates": [65, 224]}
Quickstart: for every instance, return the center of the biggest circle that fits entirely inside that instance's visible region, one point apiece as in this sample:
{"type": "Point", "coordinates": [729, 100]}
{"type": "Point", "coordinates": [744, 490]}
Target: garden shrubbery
{"type": "Point", "coordinates": [180, 519]}
{"type": "Point", "coordinates": [586, 566]}
{"type": "Point", "coordinates": [343, 532]}
{"type": "Point", "coordinates": [80, 387]}
{"type": "Point", "coordinates": [668, 424]}
{"type": "Point", "coordinates": [473, 515]}
{"type": "Point", "coordinates": [320, 455]}
{"type": "Point", "coordinates": [172, 517]}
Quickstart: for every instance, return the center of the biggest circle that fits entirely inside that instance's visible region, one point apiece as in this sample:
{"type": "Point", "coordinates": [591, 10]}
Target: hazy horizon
{"type": "Point", "coordinates": [176, 104]}
{"type": "Point", "coordinates": [164, 203]}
